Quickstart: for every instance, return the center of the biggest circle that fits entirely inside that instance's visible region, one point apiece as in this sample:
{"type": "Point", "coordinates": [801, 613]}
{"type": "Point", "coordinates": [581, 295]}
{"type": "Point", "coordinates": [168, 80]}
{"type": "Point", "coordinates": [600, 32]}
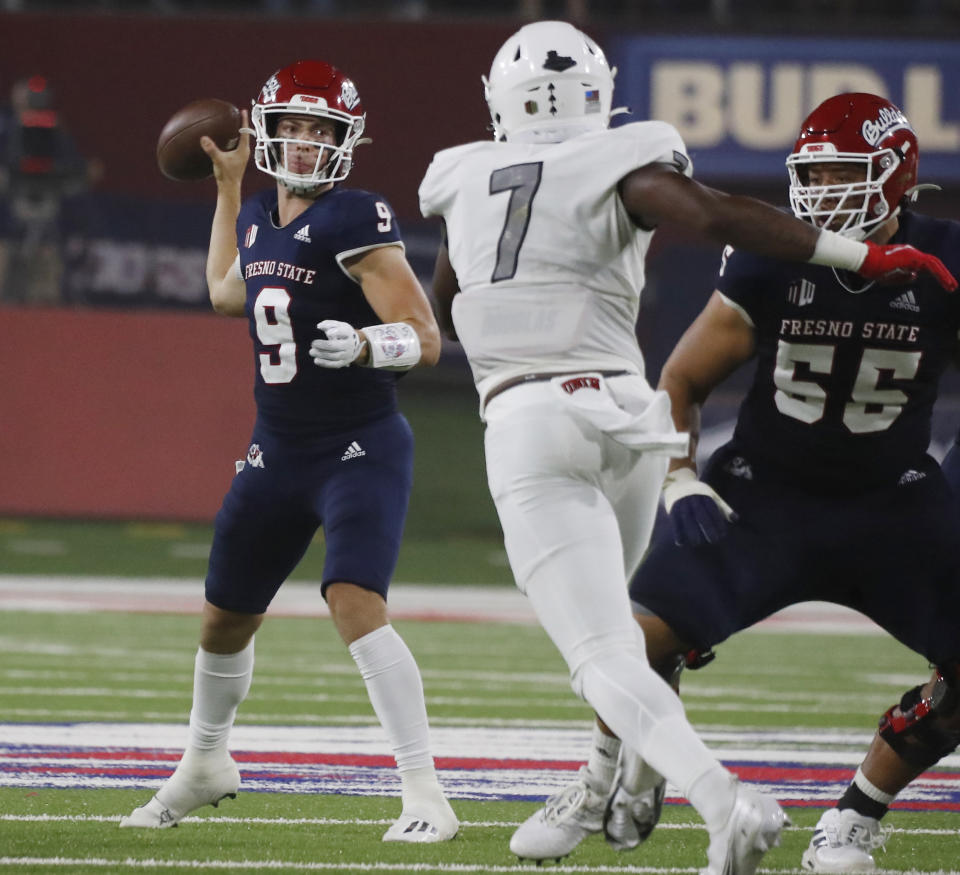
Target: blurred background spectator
{"type": "Point", "coordinates": [40, 169]}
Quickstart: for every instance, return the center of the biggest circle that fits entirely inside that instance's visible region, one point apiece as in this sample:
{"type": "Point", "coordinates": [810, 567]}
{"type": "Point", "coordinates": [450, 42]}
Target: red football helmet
{"type": "Point", "coordinates": [311, 88]}
{"type": "Point", "coordinates": [857, 129]}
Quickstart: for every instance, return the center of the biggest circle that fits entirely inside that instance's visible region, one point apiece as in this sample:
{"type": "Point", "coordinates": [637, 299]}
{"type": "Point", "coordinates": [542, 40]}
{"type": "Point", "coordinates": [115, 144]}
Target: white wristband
{"type": "Point", "coordinates": [394, 346]}
{"type": "Point", "coordinates": [835, 250]}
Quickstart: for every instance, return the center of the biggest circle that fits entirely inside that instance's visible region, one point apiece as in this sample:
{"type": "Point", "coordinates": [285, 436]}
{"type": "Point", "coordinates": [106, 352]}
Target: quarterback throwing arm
{"type": "Point", "coordinates": [408, 332]}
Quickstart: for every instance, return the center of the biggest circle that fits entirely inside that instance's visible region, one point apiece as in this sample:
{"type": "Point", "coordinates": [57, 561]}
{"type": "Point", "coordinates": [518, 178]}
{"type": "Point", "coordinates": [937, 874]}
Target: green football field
{"type": "Point", "coordinates": [93, 704]}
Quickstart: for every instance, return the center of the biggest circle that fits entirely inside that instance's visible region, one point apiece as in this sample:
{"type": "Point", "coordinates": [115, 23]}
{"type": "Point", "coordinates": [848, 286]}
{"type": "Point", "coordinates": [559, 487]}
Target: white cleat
{"type": "Point", "coordinates": [630, 819]}
{"type": "Point", "coordinates": [842, 842]}
{"type": "Point", "coordinates": [568, 817]}
{"type": "Point", "coordinates": [753, 827]}
{"type": "Point", "coordinates": [197, 781]}
{"type": "Point", "coordinates": [424, 821]}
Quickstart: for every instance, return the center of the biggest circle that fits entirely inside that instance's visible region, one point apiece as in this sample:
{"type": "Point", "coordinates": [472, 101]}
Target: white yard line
{"type": "Point", "coordinates": [482, 763]}
{"type": "Point", "coordinates": [531, 741]}
{"type": "Point", "coordinates": [335, 821]}
{"type": "Point", "coordinates": [407, 601]}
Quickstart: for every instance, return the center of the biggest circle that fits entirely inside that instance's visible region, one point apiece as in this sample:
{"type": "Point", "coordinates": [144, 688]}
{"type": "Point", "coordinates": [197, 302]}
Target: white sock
{"type": "Point", "coordinates": [419, 785]}
{"type": "Point", "coordinates": [713, 795]}
{"type": "Point", "coordinates": [636, 775]}
{"type": "Point", "coordinates": [868, 789]}
{"type": "Point", "coordinates": [396, 693]}
{"type": "Point", "coordinates": [691, 767]}
{"type": "Point", "coordinates": [221, 682]}
{"type": "Point", "coordinates": [602, 764]}
{"type": "Point", "coordinates": [637, 704]}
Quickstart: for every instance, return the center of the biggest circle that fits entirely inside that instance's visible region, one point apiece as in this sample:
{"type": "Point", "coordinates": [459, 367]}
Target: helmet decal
{"type": "Point", "coordinates": [348, 94]}
{"type": "Point", "coordinates": [557, 63]}
{"type": "Point", "coordinates": [887, 120]}
{"type": "Point", "coordinates": [270, 89]}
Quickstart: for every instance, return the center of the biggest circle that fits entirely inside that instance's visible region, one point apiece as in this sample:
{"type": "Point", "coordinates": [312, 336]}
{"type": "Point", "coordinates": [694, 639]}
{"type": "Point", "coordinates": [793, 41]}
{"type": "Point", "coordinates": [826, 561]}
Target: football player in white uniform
{"type": "Point", "coordinates": [539, 278]}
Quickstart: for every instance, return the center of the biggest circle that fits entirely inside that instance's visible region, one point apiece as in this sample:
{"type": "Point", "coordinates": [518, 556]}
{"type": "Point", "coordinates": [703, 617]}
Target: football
{"type": "Point", "coordinates": [179, 155]}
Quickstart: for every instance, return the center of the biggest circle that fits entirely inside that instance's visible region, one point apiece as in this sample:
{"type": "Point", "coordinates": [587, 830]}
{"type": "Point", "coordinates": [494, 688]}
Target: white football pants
{"type": "Point", "coordinates": [577, 510]}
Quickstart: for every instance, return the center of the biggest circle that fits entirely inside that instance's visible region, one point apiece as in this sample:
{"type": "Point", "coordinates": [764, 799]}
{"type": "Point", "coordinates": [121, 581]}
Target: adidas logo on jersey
{"type": "Point", "coordinates": [352, 452]}
{"type": "Point", "coordinates": [906, 301]}
{"type": "Point", "coordinates": [303, 235]}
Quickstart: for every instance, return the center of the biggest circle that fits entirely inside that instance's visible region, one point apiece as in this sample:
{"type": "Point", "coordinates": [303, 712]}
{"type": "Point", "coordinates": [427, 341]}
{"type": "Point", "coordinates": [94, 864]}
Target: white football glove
{"type": "Point", "coordinates": [341, 347]}
{"type": "Point", "coordinates": [697, 513]}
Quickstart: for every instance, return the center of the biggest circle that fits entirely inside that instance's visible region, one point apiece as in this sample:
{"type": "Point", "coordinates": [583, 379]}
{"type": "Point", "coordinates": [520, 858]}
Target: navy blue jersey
{"type": "Point", "coordinates": [845, 382]}
{"type": "Point", "coordinates": [295, 279]}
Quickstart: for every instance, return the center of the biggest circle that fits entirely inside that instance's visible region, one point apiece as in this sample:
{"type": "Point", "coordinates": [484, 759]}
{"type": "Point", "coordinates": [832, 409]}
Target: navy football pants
{"type": "Point", "coordinates": [890, 553]}
{"type": "Point", "coordinates": [354, 484]}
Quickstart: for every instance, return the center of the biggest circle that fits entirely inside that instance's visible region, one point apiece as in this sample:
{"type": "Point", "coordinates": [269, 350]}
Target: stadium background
{"type": "Point", "coordinates": [124, 398]}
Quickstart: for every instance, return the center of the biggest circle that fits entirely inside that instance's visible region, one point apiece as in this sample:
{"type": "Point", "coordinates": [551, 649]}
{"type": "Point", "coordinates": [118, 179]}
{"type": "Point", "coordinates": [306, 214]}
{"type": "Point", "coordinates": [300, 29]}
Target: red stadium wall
{"type": "Point", "coordinates": [117, 78]}
{"type": "Point", "coordinates": [126, 415]}
{"type": "Point", "coordinates": [141, 414]}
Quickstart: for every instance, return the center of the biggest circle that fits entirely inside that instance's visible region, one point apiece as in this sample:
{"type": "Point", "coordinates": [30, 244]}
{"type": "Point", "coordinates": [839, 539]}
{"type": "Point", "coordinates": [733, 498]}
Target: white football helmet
{"type": "Point", "coordinates": [548, 82]}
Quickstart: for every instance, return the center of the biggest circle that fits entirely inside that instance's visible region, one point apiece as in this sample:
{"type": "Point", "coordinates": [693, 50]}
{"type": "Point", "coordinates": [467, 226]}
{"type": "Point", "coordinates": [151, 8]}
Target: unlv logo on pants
{"type": "Point", "coordinates": [572, 385]}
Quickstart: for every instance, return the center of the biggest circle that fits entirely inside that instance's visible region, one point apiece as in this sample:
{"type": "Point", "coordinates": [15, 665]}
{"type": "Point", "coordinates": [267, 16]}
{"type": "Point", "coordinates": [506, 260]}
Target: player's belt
{"type": "Point", "coordinates": [541, 378]}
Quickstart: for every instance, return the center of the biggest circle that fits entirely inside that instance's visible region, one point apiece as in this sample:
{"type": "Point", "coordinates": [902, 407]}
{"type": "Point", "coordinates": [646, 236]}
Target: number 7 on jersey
{"type": "Point", "coordinates": [522, 181]}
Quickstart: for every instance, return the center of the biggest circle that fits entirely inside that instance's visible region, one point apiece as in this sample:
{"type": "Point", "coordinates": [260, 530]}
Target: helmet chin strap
{"type": "Point", "coordinates": [304, 190]}
{"type": "Point", "coordinates": [309, 187]}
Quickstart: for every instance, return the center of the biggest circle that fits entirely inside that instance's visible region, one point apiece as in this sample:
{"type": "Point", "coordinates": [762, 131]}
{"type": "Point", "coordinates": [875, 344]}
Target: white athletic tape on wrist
{"type": "Point", "coordinates": [394, 346]}
{"type": "Point", "coordinates": [835, 250]}
{"type": "Point", "coordinates": [683, 482]}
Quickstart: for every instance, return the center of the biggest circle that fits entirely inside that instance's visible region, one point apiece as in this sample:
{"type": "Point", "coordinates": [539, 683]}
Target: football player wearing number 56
{"type": "Point", "coordinates": [547, 227]}
{"type": "Point", "coordinates": [336, 315]}
{"type": "Point", "coordinates": [828, 472]}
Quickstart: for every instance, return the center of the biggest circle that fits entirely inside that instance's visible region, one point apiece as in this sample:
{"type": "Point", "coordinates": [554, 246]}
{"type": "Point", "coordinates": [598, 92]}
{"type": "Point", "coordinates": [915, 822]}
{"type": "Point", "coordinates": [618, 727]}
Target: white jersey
{"type": "Point", "coordinates": [549, 263]}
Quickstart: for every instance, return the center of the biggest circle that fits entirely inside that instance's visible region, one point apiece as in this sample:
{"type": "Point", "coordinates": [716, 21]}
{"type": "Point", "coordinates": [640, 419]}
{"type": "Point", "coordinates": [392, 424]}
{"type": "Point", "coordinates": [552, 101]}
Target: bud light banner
{"type": "Point", "coordinates": [738, 102]}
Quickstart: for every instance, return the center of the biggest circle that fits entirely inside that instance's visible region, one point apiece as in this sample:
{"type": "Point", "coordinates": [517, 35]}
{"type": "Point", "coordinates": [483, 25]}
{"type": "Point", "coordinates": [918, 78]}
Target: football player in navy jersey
{"type": "Point", "coordinates": [826, 490]}
{"type": "Point", "coordinates": [336, 314]}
